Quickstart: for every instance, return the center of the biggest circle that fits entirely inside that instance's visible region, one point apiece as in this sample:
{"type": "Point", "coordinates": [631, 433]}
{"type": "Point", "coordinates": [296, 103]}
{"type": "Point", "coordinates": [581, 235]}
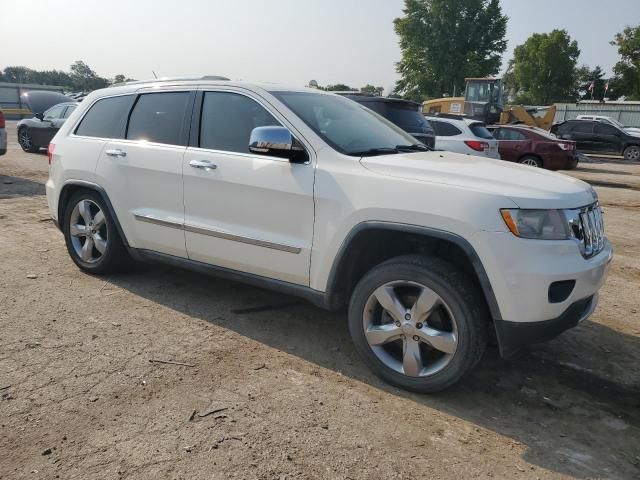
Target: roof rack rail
{"type": "Point", "coordinates": [173, 79]}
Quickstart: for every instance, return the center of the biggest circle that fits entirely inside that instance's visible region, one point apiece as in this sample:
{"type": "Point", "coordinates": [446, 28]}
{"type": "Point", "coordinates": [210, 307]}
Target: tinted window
{"type": "Point", "coordinates": [346, 126]}
{"type": "Point", "coordinates": [105, 119]}
{"type": "Point", "coordinates": [158, 117]}
{"type": "Point", "coordinates": [444, 129]}
{"type": "Point", "coordinates": [69, 111]}
{"type": "Point", "coordinates": [582, 127]}
{"type": "Point", "coordinates": [53, 113]}
{"type": "Point", "coordinates": [408, 118]}
{"type": "Point", "coordinates": [228, 119]}
{"type": "Point", "coordinates": [480, 130]}
{"type": "Point", "coordinates": [606, 130]}
{"type": "Point", "coordinates": [511, 135]}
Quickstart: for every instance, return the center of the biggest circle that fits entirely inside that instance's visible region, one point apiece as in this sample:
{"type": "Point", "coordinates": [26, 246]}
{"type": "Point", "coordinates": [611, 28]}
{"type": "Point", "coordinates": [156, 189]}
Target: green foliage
{"type": "Point", "coordinates": [543, 69]}
{"type": "Point", "coordinates": [627, 70]}
{"type": "Point", "coordinates": [339, 87]}
{"type": "Point", "coordinates": [372, 90]}
{"type": "Point", "coordinates": [444, 41]}
{"type": "Point", "coordinates": [584, 77]}
{"type": "Point", "coordinates": [80, 78]}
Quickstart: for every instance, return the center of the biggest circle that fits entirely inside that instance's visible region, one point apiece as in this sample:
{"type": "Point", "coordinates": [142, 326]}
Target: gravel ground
{"type": "Point", "coordinates": [272, 388]}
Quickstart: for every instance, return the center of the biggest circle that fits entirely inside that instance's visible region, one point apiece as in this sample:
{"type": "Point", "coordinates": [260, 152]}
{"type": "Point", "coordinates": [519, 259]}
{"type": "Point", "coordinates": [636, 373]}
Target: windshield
{"type": "Point", "coordinates": [346, 125]}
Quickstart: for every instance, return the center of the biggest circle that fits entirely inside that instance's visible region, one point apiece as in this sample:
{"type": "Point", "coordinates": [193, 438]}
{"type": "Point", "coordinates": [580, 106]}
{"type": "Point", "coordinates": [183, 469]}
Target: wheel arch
{"type": "Point", "coordinates": [370, 243]}
{"type": "Point", "coordinates": [71, 187]}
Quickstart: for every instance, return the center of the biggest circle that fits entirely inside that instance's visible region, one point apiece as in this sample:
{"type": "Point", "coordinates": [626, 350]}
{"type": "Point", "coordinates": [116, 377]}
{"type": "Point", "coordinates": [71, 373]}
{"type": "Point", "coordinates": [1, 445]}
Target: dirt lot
{"type": "Point", "coordinates": [80, 398]}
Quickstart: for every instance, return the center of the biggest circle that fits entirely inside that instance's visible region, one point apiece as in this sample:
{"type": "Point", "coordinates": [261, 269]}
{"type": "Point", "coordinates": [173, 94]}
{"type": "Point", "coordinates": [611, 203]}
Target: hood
{"type": "Point", "coordinates": [527, 187]}
{"type": "Point", "coordinates": [41, 100]}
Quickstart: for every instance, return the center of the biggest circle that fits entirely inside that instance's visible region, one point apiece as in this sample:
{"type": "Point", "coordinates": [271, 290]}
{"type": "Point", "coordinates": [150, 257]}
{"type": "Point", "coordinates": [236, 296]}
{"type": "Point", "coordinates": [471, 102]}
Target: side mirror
{"type": "Point", "coordinates": [40, 116]}
{"type": "Point", "coordinates": [277, 142]}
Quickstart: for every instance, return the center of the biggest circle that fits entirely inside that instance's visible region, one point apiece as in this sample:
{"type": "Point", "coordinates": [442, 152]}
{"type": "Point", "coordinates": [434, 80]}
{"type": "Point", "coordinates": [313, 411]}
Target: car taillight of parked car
{"type": "Point", "coordinates": [2, 120]}
{"type": "Point", "coordinates": [50, 150]}
{"type": "Point", "coordinates": [567, 146]}
{"type": "Point", "coordinates": [476, 145]}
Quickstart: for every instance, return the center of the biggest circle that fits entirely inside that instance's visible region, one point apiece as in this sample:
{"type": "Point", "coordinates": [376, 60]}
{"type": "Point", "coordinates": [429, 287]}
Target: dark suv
{"type": "Point", "coordinates": [403, 113]}
{"type": "Point", "coordinates": [599, 137]}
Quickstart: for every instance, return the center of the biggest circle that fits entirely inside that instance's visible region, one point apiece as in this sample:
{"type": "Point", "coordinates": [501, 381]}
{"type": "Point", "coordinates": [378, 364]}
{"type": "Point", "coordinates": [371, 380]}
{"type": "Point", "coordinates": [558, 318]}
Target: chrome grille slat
{"type": "Point", "coordinates": [592, 230]}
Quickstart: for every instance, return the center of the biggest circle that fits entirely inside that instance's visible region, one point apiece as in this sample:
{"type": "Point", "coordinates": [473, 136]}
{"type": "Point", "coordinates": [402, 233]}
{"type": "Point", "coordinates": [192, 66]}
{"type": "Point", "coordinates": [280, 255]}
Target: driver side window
{"type": "Point", "coordinates": [53, 113]}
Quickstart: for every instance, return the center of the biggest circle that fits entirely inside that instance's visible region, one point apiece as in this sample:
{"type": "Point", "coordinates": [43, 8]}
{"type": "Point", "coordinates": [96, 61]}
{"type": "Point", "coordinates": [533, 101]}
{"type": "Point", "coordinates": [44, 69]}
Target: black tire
{"type": "Point", "coordinates": [463, 300]}
{"type": "Point", "coordinates": [531, 161]}
{"type": "Point", "coordinates": [25, 139]}
{"type": "Point", "coordinates": [632, 153]}
{"type": "Point", "coordinates": [115, 255]}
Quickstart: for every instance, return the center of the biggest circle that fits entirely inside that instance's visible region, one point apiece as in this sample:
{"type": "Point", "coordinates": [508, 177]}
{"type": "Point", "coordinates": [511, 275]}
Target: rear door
{"type": "Point", "coordinates": [607, 139]}
{"type": "Point", "coordinates": [581, 132]}
{"type": "Point", "coordinates": [512, 144]}
{"type": "Point", "coordinates": [246, 212]}
{"type": "Point", "coordinates": [142, 171]}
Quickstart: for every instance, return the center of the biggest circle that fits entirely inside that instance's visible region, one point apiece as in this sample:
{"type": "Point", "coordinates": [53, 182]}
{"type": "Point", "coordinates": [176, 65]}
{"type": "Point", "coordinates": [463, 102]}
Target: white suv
{"type": "Point", "coordinates": [311, 194]}
{"type": "Point", "coordinates": [458, 134]}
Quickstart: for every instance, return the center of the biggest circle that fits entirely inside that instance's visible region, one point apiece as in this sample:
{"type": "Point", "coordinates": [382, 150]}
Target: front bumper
{"type": "Point", "coordinates": [513, 336]}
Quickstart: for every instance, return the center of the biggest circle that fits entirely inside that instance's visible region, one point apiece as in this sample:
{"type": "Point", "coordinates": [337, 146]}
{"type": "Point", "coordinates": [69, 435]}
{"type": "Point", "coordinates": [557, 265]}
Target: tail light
{"type": "Point", "coordinates": [567, 146]}
{"type": "Point", "coordinates": [2, 120]}
{"type": "Point", "coordinates": [50, 150]}
{"type": "Point", "coordinates": [477, 145]}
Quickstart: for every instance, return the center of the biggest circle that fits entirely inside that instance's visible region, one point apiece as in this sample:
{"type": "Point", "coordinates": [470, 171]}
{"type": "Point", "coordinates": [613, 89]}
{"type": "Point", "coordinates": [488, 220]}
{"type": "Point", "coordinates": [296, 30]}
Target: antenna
{"type": "Point", "coordinates": [154, 74]}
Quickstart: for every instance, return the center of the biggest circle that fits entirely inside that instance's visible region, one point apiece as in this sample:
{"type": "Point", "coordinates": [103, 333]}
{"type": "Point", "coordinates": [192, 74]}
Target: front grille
{"type": "Point", "coordinates": [591, 230]}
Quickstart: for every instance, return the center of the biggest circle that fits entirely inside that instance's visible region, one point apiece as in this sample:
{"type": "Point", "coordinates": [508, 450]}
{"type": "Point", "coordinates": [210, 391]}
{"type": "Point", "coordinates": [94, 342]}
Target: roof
{"type": "Point", "coordinates": [372, 98]}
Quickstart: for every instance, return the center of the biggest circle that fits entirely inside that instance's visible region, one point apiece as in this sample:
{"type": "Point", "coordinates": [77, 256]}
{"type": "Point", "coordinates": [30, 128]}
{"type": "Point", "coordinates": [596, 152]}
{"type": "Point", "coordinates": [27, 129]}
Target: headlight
{"type": "Point", "coordinates": [537, 224]}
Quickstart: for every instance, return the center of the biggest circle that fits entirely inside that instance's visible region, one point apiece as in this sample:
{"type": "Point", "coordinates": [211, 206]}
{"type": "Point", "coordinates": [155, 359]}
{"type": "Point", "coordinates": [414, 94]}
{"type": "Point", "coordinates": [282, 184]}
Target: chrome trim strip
{"type": "Point", "coordinates": [241, 239]}
{"type": "Point", "coordinates": [217, 234]}
{"type": "Point", "coordinates": [157, 221]}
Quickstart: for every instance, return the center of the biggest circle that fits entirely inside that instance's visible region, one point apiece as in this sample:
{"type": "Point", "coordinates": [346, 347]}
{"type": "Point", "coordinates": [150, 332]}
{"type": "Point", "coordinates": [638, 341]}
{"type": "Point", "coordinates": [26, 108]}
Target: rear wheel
{"type": "Point", "coordinates": [418, 323]}
{"type": "Point", "coordinates": [632, 153]}
{"type": "Point", "coordinates": [26, 141]}
{"type": "Point", "coordinates": [91, 236]}
{"type": "Point", "coordinates": [531, 161]}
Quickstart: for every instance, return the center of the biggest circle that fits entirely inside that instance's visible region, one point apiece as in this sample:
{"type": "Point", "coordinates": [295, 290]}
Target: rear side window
{"type": "Point", "coordinates": [511, 135]}
{"type": "Point", "coordinates": [228, 119]}
{"type": "Point", "coordinates": [582, 127]}
{"type": "Point", "coordinates": [480, 130]}
{"type": "Point", "coordinates": [444, 129]}
{"type": "Point", "coordinates": [602, 129]}
{"type": "Point", "coordinates": [106, 118]}
{"type": "Point", "coordinates": [158, 118]}
{"type": "Point", "coordinates": [69, 111]}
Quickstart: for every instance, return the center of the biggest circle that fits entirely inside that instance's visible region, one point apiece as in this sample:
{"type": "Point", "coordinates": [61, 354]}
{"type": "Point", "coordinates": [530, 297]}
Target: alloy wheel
{"type": "Point", "coordinates": [633, 153]}
{"type": "Point", "coordinates": [410, 328]}
{"type": "Point", "coordinates": [24, 138]}
{"type": "Point", "coordinates": [88, 231]}
{"type": "Point", "coordinates": [530, 162]}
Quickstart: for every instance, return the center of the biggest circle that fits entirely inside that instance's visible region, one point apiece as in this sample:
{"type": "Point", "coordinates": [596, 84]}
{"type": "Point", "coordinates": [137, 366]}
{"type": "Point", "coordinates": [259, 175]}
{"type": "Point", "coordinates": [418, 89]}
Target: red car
{"type": "Point", "coordinates": [535, 147]}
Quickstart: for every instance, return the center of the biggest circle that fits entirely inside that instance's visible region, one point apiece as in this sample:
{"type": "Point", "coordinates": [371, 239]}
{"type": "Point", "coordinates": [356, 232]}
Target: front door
{"type": "Point", "coordinates": [607, 139]}
{"type": "Point", "coordinates": [243, 211]}
{"type": "Point", "coordinates": [49, 126]}
{"type": "Point", "coordinates": [142, 172]}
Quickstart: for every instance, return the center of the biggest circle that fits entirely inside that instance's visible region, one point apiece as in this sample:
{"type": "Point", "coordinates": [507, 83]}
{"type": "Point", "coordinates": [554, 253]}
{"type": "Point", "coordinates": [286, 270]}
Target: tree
{"type": "Point", "coordinates": [627, 70]}
{"type": "Point", "coordinates": [340, 87]}
{"type": "Point", "coordinates": [543, 69]}
{"type": "Point", "coordinates": [84, 78]}
{"type": "Point", "coordinates": [584, 78]}
{"type": "Point", "coordinates": [444, 41]}
{"type": "Point", "coordinates": [372, 90]}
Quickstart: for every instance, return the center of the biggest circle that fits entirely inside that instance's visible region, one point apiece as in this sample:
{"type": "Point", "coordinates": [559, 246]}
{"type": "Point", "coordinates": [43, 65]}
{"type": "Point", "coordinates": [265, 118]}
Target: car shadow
{"type": "Point", "coordinates": [532, 398]}
{"type": "Point", "coordinates": [11, 187]}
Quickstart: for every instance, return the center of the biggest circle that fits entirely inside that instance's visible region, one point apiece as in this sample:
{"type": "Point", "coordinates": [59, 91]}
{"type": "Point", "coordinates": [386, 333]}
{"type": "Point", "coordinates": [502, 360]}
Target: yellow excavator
{"type": "Point", "coordinates": [484, 100]}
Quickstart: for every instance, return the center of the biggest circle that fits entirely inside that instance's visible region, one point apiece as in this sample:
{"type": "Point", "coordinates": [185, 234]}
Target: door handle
{"type": "Point", "coordinates": [116, 152]}
{"type": "Point", "coordinates": [203, 164]}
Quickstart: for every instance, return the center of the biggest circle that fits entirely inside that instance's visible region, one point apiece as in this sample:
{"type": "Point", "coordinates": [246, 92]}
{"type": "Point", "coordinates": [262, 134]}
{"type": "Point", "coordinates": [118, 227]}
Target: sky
{"type": "Point", "coordinates": [281, 41]}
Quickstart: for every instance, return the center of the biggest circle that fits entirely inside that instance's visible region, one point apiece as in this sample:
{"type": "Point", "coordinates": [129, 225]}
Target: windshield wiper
{"type": "Point", "coordinates": [416, 147]}
{"type": "Point", "coordinates": [372, 152]}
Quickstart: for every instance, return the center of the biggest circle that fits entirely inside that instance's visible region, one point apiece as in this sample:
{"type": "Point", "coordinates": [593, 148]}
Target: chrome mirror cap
{"type": "Point", "coordinates": [276, 142]}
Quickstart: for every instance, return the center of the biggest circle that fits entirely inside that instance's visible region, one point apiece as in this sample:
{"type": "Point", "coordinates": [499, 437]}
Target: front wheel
{"type": "Point", "coordinates": [418, 323]}
{"type": "Point", "coordinates": [26, 141]}
{"type": "Point", "coordinates": [632, 153]}
{"type": "Point", "coordinates": [91, 236]}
